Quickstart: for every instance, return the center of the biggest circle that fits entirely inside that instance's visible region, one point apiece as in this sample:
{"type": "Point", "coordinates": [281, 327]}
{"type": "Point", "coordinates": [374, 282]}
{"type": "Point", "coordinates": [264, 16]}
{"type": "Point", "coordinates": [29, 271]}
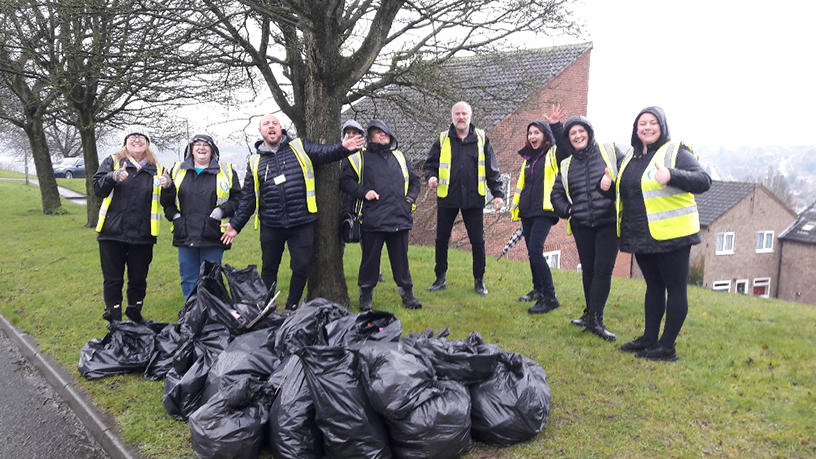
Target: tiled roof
{"type": "Point", "coordinates": [721, 197]}
{"type": "Point", "coordinates": [803, 229]}
{"type": "Point", "coordinates": [495, 85]}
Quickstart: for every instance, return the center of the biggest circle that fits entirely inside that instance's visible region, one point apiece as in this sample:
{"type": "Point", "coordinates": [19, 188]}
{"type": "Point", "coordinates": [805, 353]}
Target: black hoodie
{"type": "Point", "coordinates": [687, 175]}
{"type": "Point", "coordinates": [531, 200]}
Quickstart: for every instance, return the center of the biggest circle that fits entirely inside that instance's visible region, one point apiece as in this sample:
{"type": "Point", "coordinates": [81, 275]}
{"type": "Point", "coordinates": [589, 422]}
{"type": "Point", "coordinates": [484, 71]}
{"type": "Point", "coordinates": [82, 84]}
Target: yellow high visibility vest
{"type": "Point", "coordinates": [609, 158]}
{"type": "Point", "coordinates": [155, 205]}
{"type": "Point", "coordinates": [671, 212]}
{"type": "Point", "coordinates": [550, 173]}
{"type": "Point", "coordinates": [445, 163]}
{"type": "Point", "coordinates": [223, 183]}
{"type": "Point", "coordinates": [308, 175]}
{"type": "Point", "coordinates": [356, 161]}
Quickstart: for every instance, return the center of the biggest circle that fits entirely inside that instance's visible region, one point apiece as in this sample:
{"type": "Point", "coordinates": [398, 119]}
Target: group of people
{"type": "Point", "coordinates": [641, 202]}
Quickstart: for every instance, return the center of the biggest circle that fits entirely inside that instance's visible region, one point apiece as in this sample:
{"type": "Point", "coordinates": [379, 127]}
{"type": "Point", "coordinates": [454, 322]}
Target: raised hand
{"type": "Point", "coordinates": [663, 174]}
{"type": "Point", "coordinates": [165, 179]}
{"type": "Point", "coordinates": [556, 113]}
{"type": "Point", "coordinates": [606, 180]}
{"type": "Point", "coordinates": [353, 142]}
{"type": "Point", "coordinates": [121, 173]}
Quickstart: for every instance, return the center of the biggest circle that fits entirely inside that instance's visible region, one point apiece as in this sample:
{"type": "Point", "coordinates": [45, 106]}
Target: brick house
{"type": "Point", "coordinates": [797, 272]}
{"type": "Point", "coordinates": [506, 91]}
{"type": "Point", "coordinates": [739, 227]}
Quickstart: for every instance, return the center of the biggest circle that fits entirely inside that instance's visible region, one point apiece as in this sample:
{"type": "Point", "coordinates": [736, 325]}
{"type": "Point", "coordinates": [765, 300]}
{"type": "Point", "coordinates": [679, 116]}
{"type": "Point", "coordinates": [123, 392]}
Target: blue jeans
{"type": "Point", "coordinates": [190, 259]}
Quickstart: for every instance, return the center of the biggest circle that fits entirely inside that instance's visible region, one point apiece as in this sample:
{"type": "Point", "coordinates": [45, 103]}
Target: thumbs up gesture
{"type": "Point", "coordinates": [663, 174]}
{"type": "Point", "coordinates": [165, 179]}
{"type": "Point", "coordinates": [606, 180]}
{"type": "Point", "coordinates": [121, 173]}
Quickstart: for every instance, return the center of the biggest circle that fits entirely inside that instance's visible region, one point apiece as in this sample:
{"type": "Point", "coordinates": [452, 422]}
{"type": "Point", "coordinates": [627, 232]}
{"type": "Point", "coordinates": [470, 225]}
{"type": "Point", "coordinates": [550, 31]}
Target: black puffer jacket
{"type": "Point", "coordinates": [382, 173]}
{"type": "Point", "coordinates": [197, 199]}
{"type": "Point", "coordinates": [531, 200]}
{"type": "Point", "coordinates": [128, 217]}
{"type": "Point", "coordinates": [463, 192]}
{"type": "Point", "coordinates": [283, 205]}
{"type": "Point", "coordinates": [688, 175]}
{"type": "Point", "coordinates": [590, 207]}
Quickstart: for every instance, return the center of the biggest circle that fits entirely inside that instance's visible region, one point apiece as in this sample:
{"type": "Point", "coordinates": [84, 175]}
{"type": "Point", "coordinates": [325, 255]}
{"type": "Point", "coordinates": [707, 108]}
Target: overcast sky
{"type": "Point", "coordinates": [726, 72]}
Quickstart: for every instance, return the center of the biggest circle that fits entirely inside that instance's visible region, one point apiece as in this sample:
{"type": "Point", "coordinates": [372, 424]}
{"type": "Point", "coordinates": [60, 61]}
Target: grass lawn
{"type": "Point", "coordinates": [743, 387]}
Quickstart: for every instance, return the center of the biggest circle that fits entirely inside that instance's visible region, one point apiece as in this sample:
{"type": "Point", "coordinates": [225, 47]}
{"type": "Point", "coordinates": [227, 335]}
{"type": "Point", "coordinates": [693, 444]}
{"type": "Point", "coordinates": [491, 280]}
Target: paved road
{"type": "Point", "coordinates": [34, 421]}
{"type": "Point", "coordinates": [71, 195]}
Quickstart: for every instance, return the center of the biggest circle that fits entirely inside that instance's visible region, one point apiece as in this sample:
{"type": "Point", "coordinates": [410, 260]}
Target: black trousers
{"type": "Point", "coordinates": [371, 244]}
{"type": "Point", "coordinates": [597, 250]}
{"type": "Point", "coordinates": [474, 224]}
{"type": "Point", "coordinates": [666, 276]}
{"type": "Point", "coordinates": [535, 231]}
{"type": "Point", "coordinates": [114, 257]}
{"type": "Point", "coordinates": [300, 240]}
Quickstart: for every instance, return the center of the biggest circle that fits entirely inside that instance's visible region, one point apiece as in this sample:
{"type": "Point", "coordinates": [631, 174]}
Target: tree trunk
{"type": "Point", "coordinates": [87, 132]}
{"type": "Point", "coordinates": [42, 162]}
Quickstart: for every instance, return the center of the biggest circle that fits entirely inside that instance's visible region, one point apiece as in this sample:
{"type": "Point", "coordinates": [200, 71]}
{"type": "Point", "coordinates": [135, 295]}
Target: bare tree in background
{"type": "Point", "coordinates": [775, 181]}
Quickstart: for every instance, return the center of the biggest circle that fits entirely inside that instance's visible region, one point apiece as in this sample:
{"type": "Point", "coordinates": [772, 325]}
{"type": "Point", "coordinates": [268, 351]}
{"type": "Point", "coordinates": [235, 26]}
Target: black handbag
{"type": "Point", "coordinates": [350, 228]}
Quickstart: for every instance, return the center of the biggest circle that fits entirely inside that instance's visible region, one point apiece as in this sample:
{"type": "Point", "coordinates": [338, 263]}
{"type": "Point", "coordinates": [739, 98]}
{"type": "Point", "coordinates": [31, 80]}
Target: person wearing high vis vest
{"type": "Point", "coordinates": [532, 205]}
{"type": "Point", "coordinates": [590, 214]}
{"type": "Point", "coordinates": [658, 222]}
{"type": "Point", "coordinates": [461, 166]}
{"type": "Point", "coordinates": [385, 181]}
{"type": "Point", "coordinates": [133, 187]}
{"type": "Point", "coordinates": [207, 194]}
{"type": "Point", "coordinates": [278, 194]}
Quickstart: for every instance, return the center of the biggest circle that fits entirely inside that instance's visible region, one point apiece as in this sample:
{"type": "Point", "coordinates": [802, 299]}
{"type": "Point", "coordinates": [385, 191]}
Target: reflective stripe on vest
{"type": "Point", "coordinates": [155, 205]}
{"type": "Point", "coordinates": [356, 161]}
{"type": "Point", "coordinates": [612, 166]}
{"type": "Point", "coordinates": [550, 173]}
{"type": "Point", "coordinates": [445, 163]}
{"type": "Point", "coordinates": [308, 176]}
{"type": "Point", "coordinates": [671, 212]}
{"type": "Point", "coordinates": [223, 183]}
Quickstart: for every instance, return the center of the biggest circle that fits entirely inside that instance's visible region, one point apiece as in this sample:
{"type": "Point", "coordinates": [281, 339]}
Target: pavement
{"type": "Point", "coordinates": [71, 195]}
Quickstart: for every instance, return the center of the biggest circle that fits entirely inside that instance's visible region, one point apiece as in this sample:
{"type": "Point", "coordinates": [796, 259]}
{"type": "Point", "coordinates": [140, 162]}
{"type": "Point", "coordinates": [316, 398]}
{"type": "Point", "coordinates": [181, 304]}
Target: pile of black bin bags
{"type": "Point", "coordinates": [322, 381]}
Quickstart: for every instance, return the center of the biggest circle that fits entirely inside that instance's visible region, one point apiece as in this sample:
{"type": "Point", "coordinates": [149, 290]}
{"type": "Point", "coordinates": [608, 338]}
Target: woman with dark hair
{"type": "Point", "coordinates": [207, 194]}
{"type": "Point", "coordinates": [132, 185]}
{"type": "Point", "coordinates": [532, 205]}
{"type": "Point", "coordinates": [590, 214]}
{"type": "Point", "coordinates": [658, 223]}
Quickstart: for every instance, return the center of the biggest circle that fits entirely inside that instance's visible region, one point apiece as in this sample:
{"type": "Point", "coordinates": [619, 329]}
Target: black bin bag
{"type": "Point", "coordinates": [250, 354]}
{"type": "Point", "coordinates": [439, 428]}
{"type": "Point", "coordinates": [126, 348]}
{"type": "Point", "coordinates": [513, 405]}
{"type": "Point", "coordinates": [467, 361]}
{"type": "Point", "coordinates": [165, 345]}
{"type": "Point", "coordinates": [231, 425]}
{"type": "Point", "coordinates": [292, 428]}
{"type": "Point", "coordinates": [306, 327]}
{"type": "Point", "coordinates": [355, 329]}
{"type": "Point", "coordinates": [349, 425]}
{"type": "Point", "coordinates": [246, 285]}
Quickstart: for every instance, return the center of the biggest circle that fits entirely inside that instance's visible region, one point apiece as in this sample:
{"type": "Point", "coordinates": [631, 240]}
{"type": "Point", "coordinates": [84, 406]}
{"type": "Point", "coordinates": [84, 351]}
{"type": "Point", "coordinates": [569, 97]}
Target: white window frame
{"type": "Point", "coordinates": [762, 282]}
{"type": "Point", "coordinates": [488, 207]}
{"type": "Point", "coordinates": [725, 250]}
{"type": "Point", "coordinates": [743, 283]}
{"type": "Point", "coordinates": [555, 256]}
{"type": "Point", "coordinates": [721, 286]}
{"type": "Point", "coordinates": [763, 236]}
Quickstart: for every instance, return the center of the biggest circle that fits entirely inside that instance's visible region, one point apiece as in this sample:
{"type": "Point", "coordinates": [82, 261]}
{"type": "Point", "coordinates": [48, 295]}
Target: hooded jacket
{"type": "Point", "coordinates": [382, 173]}
{"type": "Point", "coordinates": [531, 199]}
{"type": "Point", "coordinates": [346, 201]}
{"type": "Point", "coordinates": [687, 175]}
{"type": "Point", "coordinates": [463, 192]}
{"type": "Point", "coordinates": [282, 205]}
{"type": "Point", "coordinates": [197, 198]}
{"type": "Point", "coordinates": [590, 207]}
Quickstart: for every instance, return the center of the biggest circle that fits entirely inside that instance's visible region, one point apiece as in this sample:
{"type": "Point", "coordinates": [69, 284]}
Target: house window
{"type": "Point", "coordinates": [741, 286]}
{"type": "Point", "coordinates": [765, 241]}
{"type": "Point", "coordinates": [721, 286]}
{"type": "Point", "coordinates": [505, 185]}
{"type": "Point", "coordinates": [725, 244]}
{"type": "Point", "coordinates": [553, 259]}
{"type": "Point", "coordinates": [762, 287]}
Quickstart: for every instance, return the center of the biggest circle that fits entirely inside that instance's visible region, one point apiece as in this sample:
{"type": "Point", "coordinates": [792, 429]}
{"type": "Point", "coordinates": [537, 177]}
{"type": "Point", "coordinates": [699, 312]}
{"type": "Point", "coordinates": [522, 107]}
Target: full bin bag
{"type": "Point", "coordinates": [250, 354]}
{"type": "Point", "coordinates": [467, 361]}
{"type": "Point", "coordinates": [355, 329]}
{"type": "Point", "coordinates": [165, 344]}
{"type": "Point", "coordinates": [306, 327]}
{"type": "Point", "coordinates": [125, 348]}
{"type": "Point", "coordinates": [293, 432]}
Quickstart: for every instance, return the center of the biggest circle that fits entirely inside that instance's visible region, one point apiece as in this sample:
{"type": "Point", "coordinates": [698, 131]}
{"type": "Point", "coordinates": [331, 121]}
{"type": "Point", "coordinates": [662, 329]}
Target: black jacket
{"type": "Point", "coordinates": [197, 199]}
{"type": "Point", "coordinates": [688, 175]}
{"type": "Point", "coordinates": [590, 206]}
{"type": "Point", "coordinates": [531, 200]}
{"type": "Point", "coordinates": [463, 192]}
{"type": "Point", "coordinates": [128, 217]}
{"type": "Point", "coordinates": [283, 205]}
{"type": "Point", "coordinates": [383, 174]}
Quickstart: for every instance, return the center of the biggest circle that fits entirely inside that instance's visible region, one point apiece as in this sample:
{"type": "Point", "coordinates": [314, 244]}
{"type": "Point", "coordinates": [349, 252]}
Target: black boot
{"type": "Point", "coordinates": [366, 298]}
{"type": "Point", "coordinates": [113, 313]}
{"type": "Point", "coordinates": [534, 295]}
{"type": "Point", "coordinates": [544, 305]}
{"type": "Point", "coordinates": [408, 299]}
{"type": "Point", "coordinates": [581, 321]}
{"type": "Point", "coordinates": [479, 286]}
{"type": "Point", "coordinates": [595, 325]}
{"type": "Point", "coordinates": [134, 312]}
{"type": "Point", "coordinates": [381, 278]}
{"type": "Point", "coordinates": [439, 284]}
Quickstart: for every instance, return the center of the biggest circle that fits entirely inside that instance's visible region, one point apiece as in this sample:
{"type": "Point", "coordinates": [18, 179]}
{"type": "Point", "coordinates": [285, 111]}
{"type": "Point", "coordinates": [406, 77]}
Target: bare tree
{"type": "Point", "coordinates": [315, 56]}
{"type": "Point", "coordinates": [775, 181]}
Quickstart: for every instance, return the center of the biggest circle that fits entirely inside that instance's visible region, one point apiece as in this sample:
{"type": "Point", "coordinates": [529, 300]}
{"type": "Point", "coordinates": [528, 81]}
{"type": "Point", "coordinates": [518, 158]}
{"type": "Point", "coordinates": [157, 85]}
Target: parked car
{"type": "Point", "coordinates": [70, 168]}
